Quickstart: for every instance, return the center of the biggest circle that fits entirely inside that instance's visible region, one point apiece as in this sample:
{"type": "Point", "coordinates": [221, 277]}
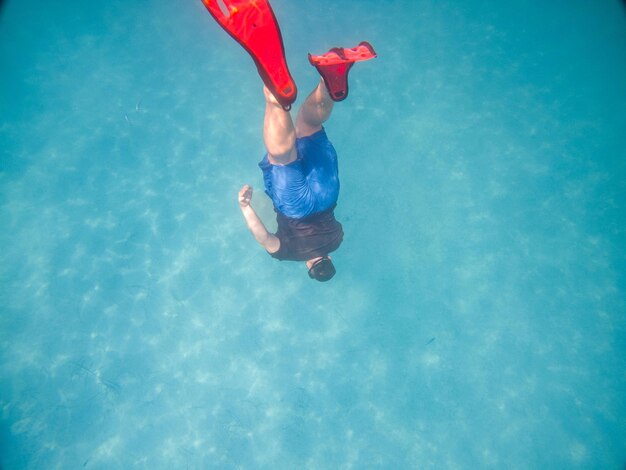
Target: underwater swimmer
{"type": "Point", "coordinates": [300, 172]}
{"type": "Point", "coordinates": [300, 175]}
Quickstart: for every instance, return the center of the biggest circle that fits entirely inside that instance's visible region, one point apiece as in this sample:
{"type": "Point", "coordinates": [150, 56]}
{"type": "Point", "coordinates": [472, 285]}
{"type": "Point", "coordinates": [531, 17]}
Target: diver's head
{"type": "Point", "coordinates": [321, 268]}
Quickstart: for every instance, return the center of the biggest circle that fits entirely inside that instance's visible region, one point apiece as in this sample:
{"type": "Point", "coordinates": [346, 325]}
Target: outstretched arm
{"type": "Point", "coordinates": [270, 242]}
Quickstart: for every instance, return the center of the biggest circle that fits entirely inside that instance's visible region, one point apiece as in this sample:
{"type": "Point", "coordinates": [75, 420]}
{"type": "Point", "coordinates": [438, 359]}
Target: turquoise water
{"type": "Point", "coordinates": [478, 317]}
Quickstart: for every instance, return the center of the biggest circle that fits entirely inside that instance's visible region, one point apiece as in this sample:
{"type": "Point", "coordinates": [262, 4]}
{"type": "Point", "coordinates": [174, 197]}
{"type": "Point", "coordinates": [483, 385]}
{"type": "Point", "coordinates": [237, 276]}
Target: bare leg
{"type": "Point", "coordinates": [278, 132]}
{"type": "Point", "coordinates": [314, 111]}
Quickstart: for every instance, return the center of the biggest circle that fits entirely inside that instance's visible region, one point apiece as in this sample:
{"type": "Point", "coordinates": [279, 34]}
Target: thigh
{"type": "Point", "coordinates": [288, 187]}
{"type": "Point", "coordinates": [321, 168]}
{"type": "Point", "coordinates": [284, 159]}
{"type": "Point", "coordinates": [317, 153]}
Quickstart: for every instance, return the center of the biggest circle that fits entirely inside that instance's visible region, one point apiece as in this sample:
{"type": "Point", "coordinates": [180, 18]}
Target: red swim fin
{"type": "Point", "coordinates": [253, 25]}
{"type": "Point", "coordinates": [335, 65]}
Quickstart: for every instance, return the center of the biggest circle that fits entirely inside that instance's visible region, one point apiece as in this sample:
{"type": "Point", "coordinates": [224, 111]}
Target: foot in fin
{"type": "Point", "coordinates": [253, 25]}
{"type": "Point", "coordinates": [335, 65]}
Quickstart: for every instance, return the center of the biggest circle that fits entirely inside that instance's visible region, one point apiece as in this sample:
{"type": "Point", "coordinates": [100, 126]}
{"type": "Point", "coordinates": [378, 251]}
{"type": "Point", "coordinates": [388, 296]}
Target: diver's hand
{"type": "Point", "coordinates": [245, 195]}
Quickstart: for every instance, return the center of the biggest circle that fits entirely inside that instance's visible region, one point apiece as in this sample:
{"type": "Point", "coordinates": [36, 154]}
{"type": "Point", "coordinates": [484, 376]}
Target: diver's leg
{"type": "Point", "coordinates": [314, 111]}
{"type": "Point", "coordinates": [278, 132]}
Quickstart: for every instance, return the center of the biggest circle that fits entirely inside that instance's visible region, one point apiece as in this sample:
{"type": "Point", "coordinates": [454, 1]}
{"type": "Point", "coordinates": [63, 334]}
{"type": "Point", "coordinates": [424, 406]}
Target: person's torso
{"type": "Point", "coordinates": [308, 238]}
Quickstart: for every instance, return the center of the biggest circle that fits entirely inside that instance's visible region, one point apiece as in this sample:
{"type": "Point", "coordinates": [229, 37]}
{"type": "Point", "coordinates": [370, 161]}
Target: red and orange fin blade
{"type": "Point", "coordinates": [253, 25]}
{"type": "Point", "coordinates": [364, 51]}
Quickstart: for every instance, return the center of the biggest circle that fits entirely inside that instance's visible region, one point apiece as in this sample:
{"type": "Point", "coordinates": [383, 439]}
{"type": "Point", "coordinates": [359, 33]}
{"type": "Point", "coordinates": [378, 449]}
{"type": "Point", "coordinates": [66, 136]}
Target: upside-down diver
{"type": "Point", "coordinates": [300, 170]}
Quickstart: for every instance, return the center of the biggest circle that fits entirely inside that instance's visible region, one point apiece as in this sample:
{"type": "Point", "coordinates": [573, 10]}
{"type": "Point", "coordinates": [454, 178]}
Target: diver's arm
{"type": "Point", "coordinates": [270, 242]}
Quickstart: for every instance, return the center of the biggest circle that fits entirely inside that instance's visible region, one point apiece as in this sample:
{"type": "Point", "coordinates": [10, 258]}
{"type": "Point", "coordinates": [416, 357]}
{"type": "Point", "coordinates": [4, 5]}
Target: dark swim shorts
{"type": "Point", "coordinates": [308, 185]}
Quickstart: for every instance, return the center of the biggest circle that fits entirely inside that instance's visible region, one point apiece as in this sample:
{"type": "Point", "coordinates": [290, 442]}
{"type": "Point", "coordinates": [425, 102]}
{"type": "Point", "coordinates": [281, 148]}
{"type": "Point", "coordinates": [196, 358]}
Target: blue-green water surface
{"type": "Point", "coordinates": [478, 316]}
